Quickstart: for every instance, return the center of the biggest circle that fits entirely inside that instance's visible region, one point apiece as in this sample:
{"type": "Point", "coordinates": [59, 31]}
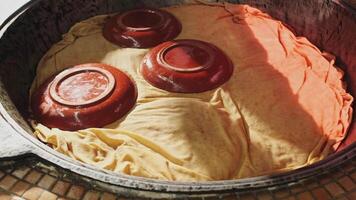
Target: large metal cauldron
{"type": "Point", "coordinates": [31, 31]}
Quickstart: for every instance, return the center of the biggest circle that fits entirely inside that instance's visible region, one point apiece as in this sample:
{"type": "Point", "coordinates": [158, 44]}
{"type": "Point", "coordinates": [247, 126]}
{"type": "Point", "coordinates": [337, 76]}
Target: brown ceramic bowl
{"type": "Point", "coordinates": [83, 96]}
{"type": "Point", "coordinates": [141, 28]}
{"type": "Point", "coordinates": [186, 66]}
{"type": "Point", "coordinates": [330, 25]}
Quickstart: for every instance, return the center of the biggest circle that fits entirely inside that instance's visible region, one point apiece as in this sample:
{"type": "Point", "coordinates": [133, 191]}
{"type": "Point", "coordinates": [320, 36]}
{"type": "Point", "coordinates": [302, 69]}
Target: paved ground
{"type": "Point", "coordinates": [24, 181]}
{"type": "Point", "coordinates": [33, 180]}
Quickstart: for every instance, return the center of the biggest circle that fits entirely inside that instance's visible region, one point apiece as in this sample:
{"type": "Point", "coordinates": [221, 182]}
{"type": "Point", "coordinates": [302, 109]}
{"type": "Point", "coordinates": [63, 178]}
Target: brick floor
{"type": "Point", "coordinates": [107, 196]}
{"type": "Point", "coordinates": [31, 183]}
{"type": "Point", "coordinates": [296, 188]}
{"type": "Point", "coordinates": [47, 182]}
{"type": "Point", "coordinates": [47, 196]}
{"type": "Point", "coordinates": [75, 192]}
{"type": "Point", "coordinates": [334, 189]}
{"type": "Point", "coordinates": [33, 193]}
{"type": "Point", "coordinates": [347, 183]}
{"type": "Point", "coordinates": [4, 196]}
{"type": "Point", "coordinates": [61, 188]}
{"type": "Point", "coordinates": [33, 176]}
{"type": "Point", "coordinates": [20, 188]}
{"type": "Point", "coordinates": [321, 193]}
{"type": "Point", "coordinates": [305, 196]}
{"type": "Point", "coordinates": [7, 182]}
{"type": "Point", "coordinates": [21, 172]}
{"type": "Point", "coordinates": [352, 195]}
{"type": "Point", "coordinates": [91, 195]}
{"type": "Point", "coordinates": [325, 179]}
{"type": "Point", "coordinates": [290, 198]}
{"type": "Point", "coordinates": [353, 176]}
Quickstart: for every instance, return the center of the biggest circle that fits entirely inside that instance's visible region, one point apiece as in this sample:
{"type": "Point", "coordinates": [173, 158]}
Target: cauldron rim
{"type": "Point", "coordinates": [147, 184]}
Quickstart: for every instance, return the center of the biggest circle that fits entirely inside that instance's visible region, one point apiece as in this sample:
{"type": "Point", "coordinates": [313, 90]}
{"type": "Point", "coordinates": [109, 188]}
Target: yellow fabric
{"type": "Point", "coordinates": [284, 107]}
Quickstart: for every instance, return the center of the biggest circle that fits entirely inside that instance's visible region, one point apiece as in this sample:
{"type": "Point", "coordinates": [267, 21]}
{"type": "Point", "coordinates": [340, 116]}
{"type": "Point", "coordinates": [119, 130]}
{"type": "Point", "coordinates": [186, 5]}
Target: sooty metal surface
{"type": "Point", "coordinates": [331, 25]}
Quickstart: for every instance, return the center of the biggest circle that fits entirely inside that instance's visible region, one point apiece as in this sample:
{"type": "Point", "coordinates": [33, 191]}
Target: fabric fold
{"type": "Point", "coordinates": [285, 106]}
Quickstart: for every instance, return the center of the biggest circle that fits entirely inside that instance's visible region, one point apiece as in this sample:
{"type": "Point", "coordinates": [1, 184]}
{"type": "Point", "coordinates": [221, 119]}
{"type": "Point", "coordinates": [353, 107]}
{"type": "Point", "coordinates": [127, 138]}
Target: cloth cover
{"type": "Point", "coordinates": [284, 107]}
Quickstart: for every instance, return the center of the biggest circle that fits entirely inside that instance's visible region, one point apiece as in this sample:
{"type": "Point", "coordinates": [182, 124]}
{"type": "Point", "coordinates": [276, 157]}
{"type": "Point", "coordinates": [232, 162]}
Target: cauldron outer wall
{"type": "Point", "coordinates": [330, 25]}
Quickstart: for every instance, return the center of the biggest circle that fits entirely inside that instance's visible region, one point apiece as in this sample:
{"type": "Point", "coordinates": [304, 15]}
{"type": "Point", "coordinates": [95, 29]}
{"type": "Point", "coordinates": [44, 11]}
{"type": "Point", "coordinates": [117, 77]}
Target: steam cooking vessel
{"type": "Point", "coordinates": [34, 28]}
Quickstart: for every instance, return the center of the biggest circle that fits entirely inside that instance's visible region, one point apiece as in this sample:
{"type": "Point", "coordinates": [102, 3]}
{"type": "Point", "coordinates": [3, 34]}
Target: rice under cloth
{"type": "Point", "coordinates": [284, 107]}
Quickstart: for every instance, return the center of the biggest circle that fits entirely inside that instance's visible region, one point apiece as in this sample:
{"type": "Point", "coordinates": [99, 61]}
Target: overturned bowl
{"type": "Point", "coordinates": [141, 28]}
{"type": "Point", "coordinates": [186, 66]}
{"type": "Point", "coordinates": [328, 24]}
{"type": "Point", "coordinates": [84, 96]}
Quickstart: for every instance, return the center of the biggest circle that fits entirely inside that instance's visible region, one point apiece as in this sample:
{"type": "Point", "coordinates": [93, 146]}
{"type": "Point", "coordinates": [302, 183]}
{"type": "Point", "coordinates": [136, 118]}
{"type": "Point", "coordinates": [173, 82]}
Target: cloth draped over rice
{"type": "Point", "coordinates": [284, 107]}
